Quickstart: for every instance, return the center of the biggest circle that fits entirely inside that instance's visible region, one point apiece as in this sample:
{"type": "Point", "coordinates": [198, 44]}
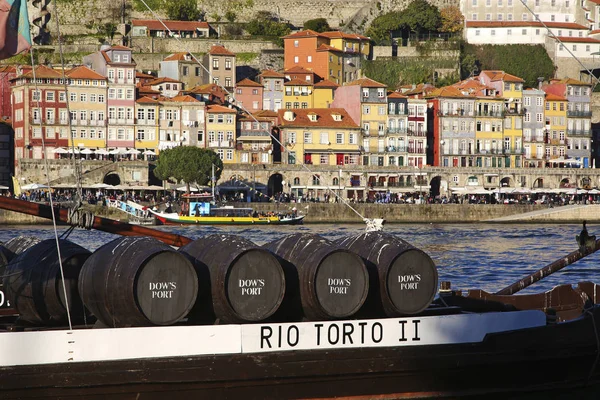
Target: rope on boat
{"type": "Point", "coordinates": [80, 218]}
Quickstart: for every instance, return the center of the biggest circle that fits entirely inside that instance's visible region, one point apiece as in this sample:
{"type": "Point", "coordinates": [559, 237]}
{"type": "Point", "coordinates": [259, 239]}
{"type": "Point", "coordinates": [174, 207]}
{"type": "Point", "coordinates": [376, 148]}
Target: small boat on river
{"type": "Point", "coordinates": [201, 209]}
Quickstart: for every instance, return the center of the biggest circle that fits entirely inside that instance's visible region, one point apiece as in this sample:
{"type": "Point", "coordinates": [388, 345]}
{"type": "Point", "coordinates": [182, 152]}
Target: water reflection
{"type": "Point", "coordinates": [484, 256]}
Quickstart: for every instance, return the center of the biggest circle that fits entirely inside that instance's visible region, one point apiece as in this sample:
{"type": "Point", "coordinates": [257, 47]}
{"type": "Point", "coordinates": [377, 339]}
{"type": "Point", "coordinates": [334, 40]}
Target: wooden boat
{"type": "Point", "coordinates": [200, 209]}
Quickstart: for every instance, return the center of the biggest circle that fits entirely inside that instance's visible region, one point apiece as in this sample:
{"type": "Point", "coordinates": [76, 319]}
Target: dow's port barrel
{"type": "Point", "coordinates": [332, 282]}
{"type": "Point", "coordinates": [247, 282]}
{"type": "Point", "coordinates": [404, 279]}
{"type": "Point", "coordinates": [138, 281]}
{"type": "Point", "coordinates": [34, 285]}
{"type": "Point", "coordinates": [13, 248]}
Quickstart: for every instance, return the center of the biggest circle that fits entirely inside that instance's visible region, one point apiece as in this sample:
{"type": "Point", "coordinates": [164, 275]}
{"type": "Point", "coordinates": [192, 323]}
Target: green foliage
{"type": "Point", "coordinates": [230, 16]}
{"type": "Point", "coordinates": [515, 59]}
{"type": "Point", "coordinates": [404, 71]}
{"type": "Point", "coordinates": [245, 57]}
{"type": "Point", "coordinates": [317, 24]}
{"type": "Point", "coordinates": [155, 5]}
{"type": "Point", "coordinates": [183, 10]}
{"type": "Point", "coordinates": [452, 19]}
{"type": "Point", "coordinates": [188, 164]}
{"type": "Point", "coordinates": [419, 16]}
{"type": "Point", "coordinates": [266, 24]}
{"type": "Point", "coordinates": [107, 31]}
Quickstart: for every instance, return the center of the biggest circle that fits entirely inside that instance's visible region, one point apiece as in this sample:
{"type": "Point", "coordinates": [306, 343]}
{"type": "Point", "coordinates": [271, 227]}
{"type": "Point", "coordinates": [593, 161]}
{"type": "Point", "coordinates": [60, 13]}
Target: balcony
{"type": "Point", "coordinates": [50, 121]}
{"type": "Point", "coordinates": [222, 143]}
{"type": "Point", "coordinates": [414, 150]}
{"type": "Point", "coordinates": [577, 113]}
{"type": "Point", "coordinates": [579, 132]}
{"type": "Point", "coordinates": [411, 132]}
{"type": "Point", "coordinates": [514, 111]}
{"type": "Point", "coordinates": [457, 113]}
{"type": "Point", "coordinates": [396, 130]}
{"type": "Point", "coordinates": [112, 121]}
{"type": "Point", "coordinates": [64, 122]}
{"type": "Point", "coordinates": [493, 114]}
{"type": "Point", "coordinates": [355, 182]}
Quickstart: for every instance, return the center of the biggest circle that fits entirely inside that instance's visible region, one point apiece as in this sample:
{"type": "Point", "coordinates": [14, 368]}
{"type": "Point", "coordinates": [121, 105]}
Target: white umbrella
{"type": "Point", "coordinates": [87, 151]}
{"type": "Point", "coordinates": [118, 151]}
{"type": "Point", "coordinates": [149, 153]}
{"type": "Point", "coordinates": [34, 186]}
{"type": "Point", "coordinates": [133, 151]}
{"type": "Point", "coordinates": [73, 150]}
{"type": "Point", "coordinates": [103, 152]}
{"type": "Point", "coordinates": [60, 150]}
{"type": "Point", "coordinates": [100, 186]}
{"type": "Point", "coordinates": [183, 189]}
{"type": "Point", "coordinates": [3, 187]}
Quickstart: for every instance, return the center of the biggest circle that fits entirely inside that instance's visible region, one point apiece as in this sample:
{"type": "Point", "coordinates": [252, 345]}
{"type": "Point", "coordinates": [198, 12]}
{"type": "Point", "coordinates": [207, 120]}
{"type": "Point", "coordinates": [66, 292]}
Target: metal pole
{"type": "Point", "coordinates": [212, 179]}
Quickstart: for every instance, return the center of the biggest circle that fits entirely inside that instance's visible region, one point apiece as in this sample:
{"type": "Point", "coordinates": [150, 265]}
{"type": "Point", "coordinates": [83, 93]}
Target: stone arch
{"type": "Point", "coordinates": [538, 183]}
{"type": "Point", "coordinates": [275, 184]}
{"type": "Point", "coordinates": [506, 182]}
{"type": "Point", "coordinates": [112, 178]}
{"type": "Point", "coordinates": [296, 181]}
{"type": "Point", "coordinates": [585, 183]}
{"type": "Point", "coordinates": [435, 185]}
{"type": "Point", "coordinates": [335, 181]}
{"type": "Point", "coordinates": [564, 183]}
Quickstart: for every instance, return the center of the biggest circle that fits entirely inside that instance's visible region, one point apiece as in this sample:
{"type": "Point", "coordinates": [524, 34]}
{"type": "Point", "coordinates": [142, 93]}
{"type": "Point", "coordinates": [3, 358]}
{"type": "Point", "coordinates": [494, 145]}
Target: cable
{"type": "Point", "coordinates": [245, 110]}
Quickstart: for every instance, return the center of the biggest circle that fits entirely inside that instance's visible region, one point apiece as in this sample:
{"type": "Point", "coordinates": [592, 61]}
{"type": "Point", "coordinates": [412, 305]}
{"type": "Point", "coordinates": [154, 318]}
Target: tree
{"type": "Point", "coordinates": [420, 16]}
{"type": "Point", "coordinates": [452, 19]}
{"type": "Point", "coordinates": [183, 10]}
{"type": "Point", "coordinates": [265, 24]}
{"type": "Point", "coordinates": [382, 26]}
{"type": "Point", "coordinates": [317, 24]}
{"type": "Point", "coordinates": [107, 30]}
{"type": "Point", "coordinates": [188, 164]}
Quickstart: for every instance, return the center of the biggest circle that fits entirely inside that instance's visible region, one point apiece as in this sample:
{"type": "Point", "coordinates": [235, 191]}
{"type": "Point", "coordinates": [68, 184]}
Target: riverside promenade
{"type": "Point", "coordinates": [392, 213]}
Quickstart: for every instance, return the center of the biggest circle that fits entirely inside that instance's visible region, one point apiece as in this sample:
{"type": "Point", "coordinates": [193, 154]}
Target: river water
{"type": "Point", "coordinates": [482, 256]}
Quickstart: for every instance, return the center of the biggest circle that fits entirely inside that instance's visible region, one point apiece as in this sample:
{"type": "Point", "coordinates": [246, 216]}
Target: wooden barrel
{"type": "Point", "coordinates": [14, 247]}
{"type": "Point", "coordinates": [333, 282]}
{"type": "Point", "coordinates": [403, 278]}
{"type": "Point", "coordinates": [247, 282]}
{"type": "Point", "coordinates": [138, 281]}
{"type": "Point", "coordinates": [34, 285]}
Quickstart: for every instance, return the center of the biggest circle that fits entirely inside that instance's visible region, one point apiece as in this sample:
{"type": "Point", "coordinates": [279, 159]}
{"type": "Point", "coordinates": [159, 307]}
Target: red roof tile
{"type": "Point", "coordinates": [41, 71]}
{"type": "Point", "coordinates": [304, 33]}
{"type": "Point", "coordinates": [248, 83]}
{"type": "Point", "coordinates": [366, 82]}
{"type": "Point", "coordinates": [146, 100]}
{"type": "Point", "coordinates": [269, 73]}
{"type": "Point", "coordinates": [324, 118]}
{"type": "Point", "coordinates": [83, 72]}
{"type": "Point", "coordinates": [218, 50]}
{"type": "Point", "coordinates": [343, 35]}
{"type": "Point", "coordinates": [501, 76]}
{"type": "Point", "coordinates": [510, 24]}
{"type": "Point", "coordinates": [164, 79]}
{"type": "Point", "coordinates": [183, 99]}
{"type": "Point", "coordinates": [182, 56]}
{"type": "Point", "coordinates": [554, 97]}
{"type": "Point", "coordinates": [220, 109]}
{"type": "Point", "coordinates": [568, 39]}
{"type": "Point", "coordinates": [297, 82]}
{"type": "Point", "coordinates": [326, 83]}
{"type": "Point", "coordinates": [297, 70]}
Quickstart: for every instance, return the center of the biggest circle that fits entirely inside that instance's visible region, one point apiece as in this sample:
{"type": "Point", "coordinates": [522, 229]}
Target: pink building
{"type": "Point", "coordinates": [249, 95]}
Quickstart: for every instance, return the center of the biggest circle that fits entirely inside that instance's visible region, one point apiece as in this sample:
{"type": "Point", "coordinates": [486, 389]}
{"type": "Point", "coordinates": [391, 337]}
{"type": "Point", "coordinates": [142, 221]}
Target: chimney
{"type": "Point", "coordinates": [540, 81]}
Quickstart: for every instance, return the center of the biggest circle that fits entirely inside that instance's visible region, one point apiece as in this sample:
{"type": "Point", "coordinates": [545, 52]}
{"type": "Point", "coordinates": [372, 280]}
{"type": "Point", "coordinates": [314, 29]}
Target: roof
{"type": "Point", "coordinates": [570, 39]}
{"type": "Point", "coordinates": [179, 56]}
{"type": "Point", "coordinates": [297, 82]}
{"type": "Point", "coordinates": [146, 100]}
{"type": "Point", "coordinates": [142, 75]}
{"type": "Point", "coordinates": [325, 47]}
{"type": "Point", "coordinates": [83, 72]}
{"type": "Point", "coordinates": [418, 89]}
{"type": "Point", "coordinates": [501, 76]}
{"type": "Point", "coordinates": [512, 24]}
{"type": "Point", "coordinates": [119, 47]}
{"type": "Point", "coordinates": [155, 25]}
{"type": "Point", "coordinates": [326, 83]}
{"type": "Point", "coordinates": [220, 109]}
{"type": "Point", "coordinates": [343, 35]}
{"type": "Point", "coordinates": [303, 34]}
{"type": "Point", "coordinates": [248, 83]}
{"type": "Point", "coordinates": [396, 95]}
{"type": "Point", "coordinates": [262, 115]}
{"type": "Point", "coordinates": [183, 99]}
{"type": "Point", "coordinates": [554, 97]}
{"type": "Point", "coordinates": [218, 50]}
{"type": "Point", "coordinates": [324, 118]}
{"type": "Point", "coordinates": [164, 79]}
{"type": "Point", "coordinates": [207, 88]}
{"type": "Point", "coordinates": [143, 90]}
{"type": "Point", "coordinates": [108, 60]}
{"type": "Point", "coordinates": [366, 82]}
{"type": "Point", "coordinates": [269, 73]}
{"type": "Point", "coordinates": [298, 70]}
{"type": "Point", "coordinates": [447, 91]}
{"type": "Point", "coordinates": [571, 81]}
{"type": "Point", "coordinates": [41, 71]}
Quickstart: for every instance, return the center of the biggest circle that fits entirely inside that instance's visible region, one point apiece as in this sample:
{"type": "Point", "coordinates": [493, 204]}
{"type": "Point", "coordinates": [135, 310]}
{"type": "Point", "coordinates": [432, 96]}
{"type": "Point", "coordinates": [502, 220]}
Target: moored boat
{"type": "Point", "coordinates": [200, 209]}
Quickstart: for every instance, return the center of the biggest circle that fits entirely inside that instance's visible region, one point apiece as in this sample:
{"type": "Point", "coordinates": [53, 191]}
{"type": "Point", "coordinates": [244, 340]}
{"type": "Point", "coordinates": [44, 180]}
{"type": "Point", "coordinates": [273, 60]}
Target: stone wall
{"type": "Point", "coordinates": [196, 46]}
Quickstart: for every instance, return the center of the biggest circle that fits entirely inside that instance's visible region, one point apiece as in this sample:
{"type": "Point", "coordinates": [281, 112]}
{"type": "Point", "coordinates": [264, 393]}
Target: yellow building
{"type": "Point", "coordinates": [489, 131]}
{"type": "Point", "coordinates": [322, 136]}
{"type": "Point", "coordinates": [221, 132]}
{"type": "Point", "coordinates": [146, 124]}
{"type": "Point", "coordinates": [556, 126]}
{"type": "Point", "coordinates": [87, 106]}
{"type": "Point", "coordinates": [298, 94]}
{"type": "Point", "coordinates": [323, 94]}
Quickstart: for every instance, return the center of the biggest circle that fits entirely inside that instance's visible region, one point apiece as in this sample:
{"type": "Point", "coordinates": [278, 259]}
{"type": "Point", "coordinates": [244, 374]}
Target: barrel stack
{"type": "Point", "coordinates": [247, 283]}
{"type": "Point", "coordinates": [325, 281]}
{"type": "Point", "coordinates": [13, 248]}
{"type": "Point", "coordinates": [403, 278]}
{"type": "Point", "coordinates": [34, 285]}
{"type": "Point", "coordinates": [138, 281]}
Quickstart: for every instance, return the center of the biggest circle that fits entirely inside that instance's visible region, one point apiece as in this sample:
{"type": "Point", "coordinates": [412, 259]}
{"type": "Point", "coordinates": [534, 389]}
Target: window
{"type": "Point", "coordinates": [500, 17]}
{"type": "Point", "coordinates": [50, 96]}
{"type": "Point", "coordinates": [339, 138]}
{"type": "Point", "coordinates": [83, 97]}
{"type": "Point", "coordinates": [309, 59]}
{"type": "Point", "coordinates": [524, 32]}
{"type": "Point", "coordinates": [184, 72]}
{"type": "Point", "coordinates": [324, 138]}
{"type": "Point", "coordinates": [477, 32]}
{"type": "Point", "coordinates": [380, 93]}
{"type": "Point", "coordinates": [307, 137]}
{"type": "Point", "coordinates": [524, 17]}
{"type": "Point", "coordinates": [215, 63]}
{"type": "Point", "coordinates": [296, 59]}
{"type": "Point", "coordinates": [296, 43]}
{"type": "Point", "coordinates": [509, 17]}
{"type": "Point", "coordinates": [228, 64]}
{"type": "Point", "coordinates": [509, 32]}
{"type": "Point", "coordinates": [366, 110]}
{"type": "Point", "coordinates": [493, 32]}
{"type": "Point", "coordinates": [365, 93]}
{"type": "Point", "coordinates": [36, 95]}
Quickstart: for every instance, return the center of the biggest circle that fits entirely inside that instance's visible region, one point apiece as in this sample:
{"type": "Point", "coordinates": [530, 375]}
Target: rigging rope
{"type": "Point", "coordinates": [45, 157]}
{"type": "Point", "coordinates": [318, 178]}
